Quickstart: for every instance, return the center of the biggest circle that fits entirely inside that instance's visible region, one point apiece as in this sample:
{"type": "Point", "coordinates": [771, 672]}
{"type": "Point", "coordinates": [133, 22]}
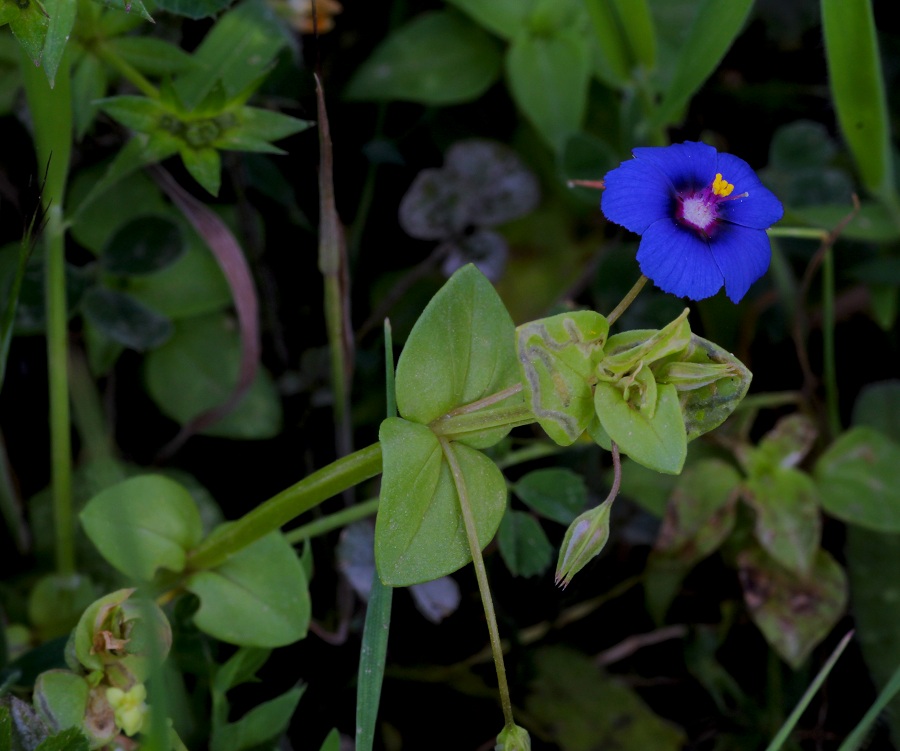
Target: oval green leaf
{"type": "Point", "coordinates": [419, 533]}
{"type": "Point", "coordinates": [257, 598]}
{"type": "Point", "coordinates": [461, 349]}
{"type": "Point", "coordinates": [124, 319]}
{"type": "Point", "coordinates": [197, 369]}
{"type": "Point", "coordinates": [857, 480]}
{"type": "Point", "coordinates": [523, 544]}
{"type": "Point", "coordinates": [438, 58]}
{"type": "Point", "coordinates": [142, 524]}
{"type": "Point", "coordinates": [142, 246]}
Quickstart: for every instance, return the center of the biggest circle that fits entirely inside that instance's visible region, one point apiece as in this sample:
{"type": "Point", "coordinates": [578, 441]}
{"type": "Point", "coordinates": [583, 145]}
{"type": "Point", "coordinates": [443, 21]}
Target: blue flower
{"type": "Point", "coordinates": [702, 217]}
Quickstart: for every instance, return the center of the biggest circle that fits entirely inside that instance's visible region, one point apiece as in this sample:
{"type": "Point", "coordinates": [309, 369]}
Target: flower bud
{"type": "Point", "coordinates": [513, 738]}
{"type": "Point", "coordinates": [128, 707]}
{"type": "Point", "coordinates": [584, 539]}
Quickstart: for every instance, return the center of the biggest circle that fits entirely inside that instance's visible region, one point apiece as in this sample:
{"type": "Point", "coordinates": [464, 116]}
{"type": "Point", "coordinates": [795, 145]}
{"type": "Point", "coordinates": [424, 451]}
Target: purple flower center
{"type": "Point", "coordinates": [699, 210]}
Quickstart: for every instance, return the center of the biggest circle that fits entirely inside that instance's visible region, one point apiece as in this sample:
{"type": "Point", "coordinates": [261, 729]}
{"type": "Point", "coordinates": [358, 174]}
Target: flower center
{"type": "Point", "coordinates": [699, 210]}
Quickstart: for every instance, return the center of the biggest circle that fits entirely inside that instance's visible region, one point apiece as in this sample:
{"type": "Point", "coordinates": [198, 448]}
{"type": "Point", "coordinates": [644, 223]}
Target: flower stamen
{"type": "Point", "coordinates": [722, 188]}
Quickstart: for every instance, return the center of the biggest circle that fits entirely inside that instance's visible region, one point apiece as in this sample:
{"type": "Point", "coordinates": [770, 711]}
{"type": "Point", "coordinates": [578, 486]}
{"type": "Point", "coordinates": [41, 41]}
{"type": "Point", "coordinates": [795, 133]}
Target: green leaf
{"type": "Point", "coordinates": [523, 544]}
{"type": "Point", "coordinates": [193, 8]}
{"type": "Point", "coordinates": [262, 723]}
{"type": "Point", "coordinates": [548, 78]}
{"type": "Point", "coordinates": [503, 17]}
{"type": "Point", "coordinates": [140, 113]}
{"type": "Point", "coordinates": [419, 533]}
{"type": "Point", "coordinates": [873, 566]}
{"type": "Point", "coordinates": [878, 407]}
{"type": "Point", "coordinates": [872, 223]}
{"type": "Point", "coordinates": [89, 82]}
{"type": "Point", "coordinates": [794, 614]}
{"type": "Point", "coordinates": [438, 58]}
{"type": "Point", "coordinates": [61, 698]}
{"type": "Point", "coordinates": [142, 524]}
{"type": "Point", "coordinates": [716, 25]}
{"type": "Point", "coordinates": [332, 742]}
{"type": "Point", "coordinates": [71, 739]}
{"type": "Point", "coordinates": [62, 19]}
{"type": "Point", "coordinates": [258, 598]}
{"type": "Point", "coordinates": [556, 493]}
{"type": "Point", "coordinates": [240, 668]}
{"type": "Point", "coordinates": [788, 523]}
{"type": "Point", "coordinates": [192, 286]}
{"type": "Point", "coordinates": [705, 406]}
{"type": "Point", "coordinates": [18, 264]}
{"type": "Point", "coordinates": [196, 369]}
{"type": "Point", "coordinates": [700, 513]}
{"type": "Point", "coordinates": [267, 125]}
{"type": "Point", "coordinates": [142, 246]}
{"type": "Point", "coordinates": [29, 23]}
{"type": "Point", "coordinates": [857, 90]}
{"type": "Point", "coordinates": [637, 22]}
{"type": "Point", "coordinates": [658, 442]}
{"type": "Point", "coordinates": [558, 356]}
{"type": "Point", "coordinates": [205, 166]}
{"type": "Point", "coordinates": [612, 43]}
{"type": "Point", "coordinates": [56, 602]}
{"type": "Point", "coordinates": [125, 320]}
{"type": "Point", "coordinates": [625, 351]}
{"type": "Point", "coordinates": [151, 56]}
{"type": "Point", "coordinates": [857, 480]}
{"type": "Point", "coordinates": [580, 708]}
{"type": "Point", "coordinates": [465, 335]}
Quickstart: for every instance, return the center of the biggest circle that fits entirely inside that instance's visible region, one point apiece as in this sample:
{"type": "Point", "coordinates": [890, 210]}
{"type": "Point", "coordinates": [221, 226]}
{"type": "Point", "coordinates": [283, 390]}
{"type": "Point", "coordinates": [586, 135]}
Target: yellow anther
{"type": "Point", "coordinates": [722, 187]}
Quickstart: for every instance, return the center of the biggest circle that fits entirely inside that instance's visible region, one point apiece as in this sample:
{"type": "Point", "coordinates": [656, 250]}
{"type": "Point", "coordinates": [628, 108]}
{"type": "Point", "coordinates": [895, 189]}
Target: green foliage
{"type": "Point", "coordinates": [257, 598]}
{"type": "Point", "coordinates": [196, 369]}
{"type": "Point", "coordinates": [525, 548]}
{"type": "Point", "coordinates": [439, 58]}
{"type": "Point", "coordinates": [142, 524]}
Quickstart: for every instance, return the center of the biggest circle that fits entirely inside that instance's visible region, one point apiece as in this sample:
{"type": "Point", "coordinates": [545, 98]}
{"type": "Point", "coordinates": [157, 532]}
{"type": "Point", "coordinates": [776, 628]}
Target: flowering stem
{"type": "Point", "coordinates": [627, 300]}
{"type": "Point", "coordinates": [51, 115]}
{"type": "Point", "coordinates": [831, 388]}
{"type": "Point", "coordinates": [333, 521]}
{"type": "Point", "coordinates": [481, 575]}
{"type": "Point", "coordinates": [800, 233]}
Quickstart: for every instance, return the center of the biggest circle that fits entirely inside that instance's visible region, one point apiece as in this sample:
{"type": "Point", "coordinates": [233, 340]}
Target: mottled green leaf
{"type": "Point", "coordinates": [558, 356]}
{"type": "Point", "coordinates": [878, 407]}
{"type": "Point", "coordinates": [582, 709]}
{"type": "Point", "coordinates": [794, 614]}
{"type": "Point", "coordinates": [857, 479]}
{"type": "Point", "coordinates": [61, 699]}
{"type": "Point", "coordinates": [788, 522]}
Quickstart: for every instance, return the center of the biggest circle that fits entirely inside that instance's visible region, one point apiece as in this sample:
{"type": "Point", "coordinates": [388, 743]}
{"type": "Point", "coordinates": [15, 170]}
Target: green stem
{"type": "Point", "coordinates": [333, 521]}
{"type": "Point", "coordinates": [800, 233]}
{"type": "Point", "coordinates": [51, 114]}
{"type": "Point", "coordinates": [454, 426]}
{"type": "Point", "coordinates": [627, 300]}
{"type": "Point", "coordinates": [481, 576]}
{"type": "Point", "coordinates": [125, 69]}
{"type": "Point", "coordinates": [831, 387]}
{"type": "Point", "coordinates": [288, 504]}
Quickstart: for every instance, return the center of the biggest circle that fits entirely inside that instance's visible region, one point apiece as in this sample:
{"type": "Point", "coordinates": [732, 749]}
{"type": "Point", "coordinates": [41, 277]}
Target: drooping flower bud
{"type": "Point", "coordinates": [513, 738]}
{"type": "Point", "coordinates": [584, 539]}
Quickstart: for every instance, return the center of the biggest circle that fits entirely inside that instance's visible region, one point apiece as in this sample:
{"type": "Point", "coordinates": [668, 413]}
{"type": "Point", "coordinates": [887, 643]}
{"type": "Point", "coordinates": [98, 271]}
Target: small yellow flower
{"type": "Point", "coordinates": [129, 707]}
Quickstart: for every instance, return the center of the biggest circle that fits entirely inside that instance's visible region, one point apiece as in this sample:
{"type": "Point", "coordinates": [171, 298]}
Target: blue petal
{"type": "Point", "coordinates": [760, 209]}
{"type": "Point", "coordinates": [688, 165]}
{"type": "Point", "coordinates": [636, 195]}
{"type": "Point", "coordinates": [678, 261]}
{"type": "Point", "coordinates": [743, 255]}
